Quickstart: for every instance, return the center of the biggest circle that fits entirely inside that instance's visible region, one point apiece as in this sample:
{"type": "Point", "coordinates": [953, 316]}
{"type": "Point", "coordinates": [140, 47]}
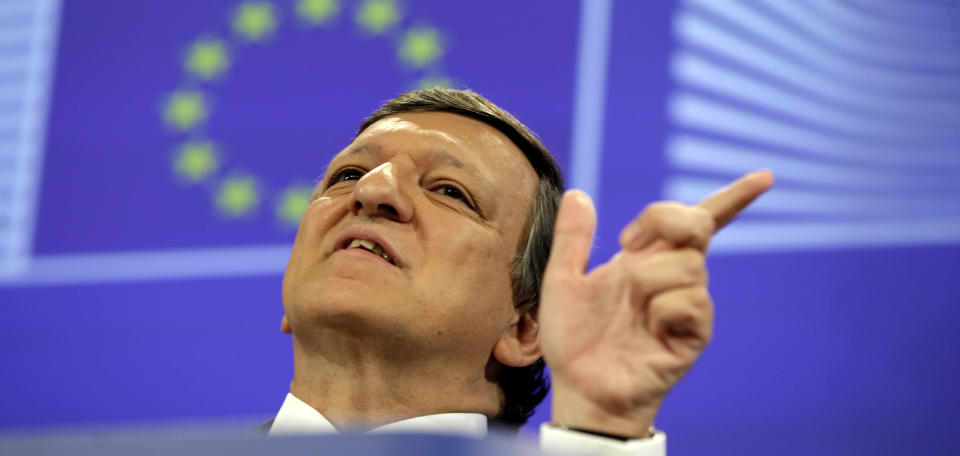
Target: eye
{"type": "Point", "coordinates": [451, 191]}
{"type": "Point", "coordinates": [346, 174]}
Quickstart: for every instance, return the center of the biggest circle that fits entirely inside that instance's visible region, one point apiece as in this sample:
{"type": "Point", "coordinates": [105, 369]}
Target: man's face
{"type": "Point", "coordinates": [445, 198]}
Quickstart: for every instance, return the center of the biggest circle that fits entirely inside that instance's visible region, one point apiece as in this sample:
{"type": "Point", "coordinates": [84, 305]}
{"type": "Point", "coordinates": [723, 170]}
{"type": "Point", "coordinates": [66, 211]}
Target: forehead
{"type": "Point", "coordinates": [441, 138]}
{"type": "Point", "coordinates": [455, 139]}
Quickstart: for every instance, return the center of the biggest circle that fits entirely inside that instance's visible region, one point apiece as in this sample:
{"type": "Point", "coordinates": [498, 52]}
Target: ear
{"type": "Point", "coordinates": [519, 345]}
{"type": "Point", "coordinates": [285, 325]}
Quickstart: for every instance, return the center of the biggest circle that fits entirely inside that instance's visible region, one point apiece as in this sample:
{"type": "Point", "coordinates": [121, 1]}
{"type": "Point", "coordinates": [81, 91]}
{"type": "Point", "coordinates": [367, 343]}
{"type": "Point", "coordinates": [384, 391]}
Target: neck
{"type": "Point", "coordinates": [359, 386]}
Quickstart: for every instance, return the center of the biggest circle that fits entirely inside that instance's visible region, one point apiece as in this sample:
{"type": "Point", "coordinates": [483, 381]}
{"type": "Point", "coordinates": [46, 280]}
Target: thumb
{"type": "Point", "coordinates": [572, 235]}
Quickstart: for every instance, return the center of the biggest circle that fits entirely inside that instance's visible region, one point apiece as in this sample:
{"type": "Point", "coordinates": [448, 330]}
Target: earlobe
{"type": "Point", "coordinates": [519, 345]}
{"type": "Point", "coordinates": [285, 325]}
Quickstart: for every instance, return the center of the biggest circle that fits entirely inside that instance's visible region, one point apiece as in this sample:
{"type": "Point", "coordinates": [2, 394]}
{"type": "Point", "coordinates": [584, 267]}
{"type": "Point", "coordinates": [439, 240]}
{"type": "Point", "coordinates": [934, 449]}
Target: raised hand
{"type": "Point", "coordinates": [619, 337]}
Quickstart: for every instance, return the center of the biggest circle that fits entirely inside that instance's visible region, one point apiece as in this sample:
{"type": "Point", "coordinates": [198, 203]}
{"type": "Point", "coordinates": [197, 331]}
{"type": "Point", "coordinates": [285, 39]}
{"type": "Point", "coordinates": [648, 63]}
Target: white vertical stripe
{"type": "Point", "coordinates": [590, 99]}
{"type": "Point", "coordinates": [27, 158]}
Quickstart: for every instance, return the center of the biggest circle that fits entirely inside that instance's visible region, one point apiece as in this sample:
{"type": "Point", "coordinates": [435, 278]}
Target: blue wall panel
{"type": "Point", "coordinates": [141, 299]}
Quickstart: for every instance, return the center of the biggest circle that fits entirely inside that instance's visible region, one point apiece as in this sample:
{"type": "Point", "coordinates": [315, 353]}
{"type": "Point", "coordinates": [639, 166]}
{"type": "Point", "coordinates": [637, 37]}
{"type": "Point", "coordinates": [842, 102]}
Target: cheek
{"type": "Point", "coordinates": [308, 246]}
{"type": "Point", "coordinates": [318, 218]}
{"type": "Point", "coordinates": [472, 284]}
{"type": "Point", "coordinates": [476, 253]}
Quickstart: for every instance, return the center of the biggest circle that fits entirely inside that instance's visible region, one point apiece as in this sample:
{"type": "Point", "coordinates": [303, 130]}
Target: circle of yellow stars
{"type": "Point", "coordinates": [208, 59]}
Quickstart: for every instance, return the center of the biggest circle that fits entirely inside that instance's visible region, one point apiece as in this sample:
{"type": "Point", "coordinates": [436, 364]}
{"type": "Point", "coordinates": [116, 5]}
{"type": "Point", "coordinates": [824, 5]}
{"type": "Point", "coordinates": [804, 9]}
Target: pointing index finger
{"type": "Point", "coordinates": [726, 203]}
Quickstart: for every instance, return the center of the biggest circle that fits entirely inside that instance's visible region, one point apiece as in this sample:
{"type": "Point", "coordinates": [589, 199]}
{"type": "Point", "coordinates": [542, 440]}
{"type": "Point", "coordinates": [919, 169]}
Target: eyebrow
{"type": "Point", "coordinates": [365, 149]}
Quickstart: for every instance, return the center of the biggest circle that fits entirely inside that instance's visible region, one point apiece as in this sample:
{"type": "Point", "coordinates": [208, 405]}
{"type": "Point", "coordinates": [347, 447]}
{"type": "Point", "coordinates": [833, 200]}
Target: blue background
{"type": "Point", "coordinates": [827, 349]}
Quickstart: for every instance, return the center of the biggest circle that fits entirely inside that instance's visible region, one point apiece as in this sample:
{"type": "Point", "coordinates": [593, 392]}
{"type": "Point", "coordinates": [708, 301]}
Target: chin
{"type": "Point", "coordinates": [344, 303]}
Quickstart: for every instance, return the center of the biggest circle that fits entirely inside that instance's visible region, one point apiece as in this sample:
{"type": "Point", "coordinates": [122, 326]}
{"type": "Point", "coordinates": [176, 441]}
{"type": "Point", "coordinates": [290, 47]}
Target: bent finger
{"type": "Point", "coordinates": [677, 223]}
{"type": "Point", "coordinates": [649, 275]}
{"type": "Point", "coordinates": [682, 319]}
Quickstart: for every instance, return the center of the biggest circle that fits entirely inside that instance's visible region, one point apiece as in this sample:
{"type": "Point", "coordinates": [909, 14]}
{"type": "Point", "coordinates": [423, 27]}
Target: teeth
{"type": "Point", "coordinates": [370, 246]}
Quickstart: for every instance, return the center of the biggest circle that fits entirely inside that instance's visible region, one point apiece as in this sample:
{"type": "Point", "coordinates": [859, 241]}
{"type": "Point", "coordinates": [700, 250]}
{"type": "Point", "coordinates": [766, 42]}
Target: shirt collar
{"type": "Point", "coordinates": [297, 417]}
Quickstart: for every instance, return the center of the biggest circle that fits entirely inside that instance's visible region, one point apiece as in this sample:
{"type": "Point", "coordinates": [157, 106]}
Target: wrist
{"type": "Point", "coordinates": [651, 432]}
{"type": "Point", "coordinates": [572, 410]}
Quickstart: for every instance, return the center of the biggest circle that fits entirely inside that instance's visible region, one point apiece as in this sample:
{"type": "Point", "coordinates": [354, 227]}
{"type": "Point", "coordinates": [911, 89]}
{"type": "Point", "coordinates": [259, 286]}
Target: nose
{"type": "Point", "coordinates": [379, 193]}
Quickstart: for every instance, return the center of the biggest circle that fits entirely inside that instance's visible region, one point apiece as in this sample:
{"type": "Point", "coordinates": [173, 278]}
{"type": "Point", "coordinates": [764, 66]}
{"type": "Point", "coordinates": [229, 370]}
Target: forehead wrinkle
{"type": "Point", "coordinates": [363, 149]}
{"type": "Point", "coordinates": [446, 158]}
{"type": "Point", "coordinates": [433, 155]}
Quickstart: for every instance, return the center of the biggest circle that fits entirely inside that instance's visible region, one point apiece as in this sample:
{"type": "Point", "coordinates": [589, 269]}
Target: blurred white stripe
{"type": "Point", "coordinates": [24, 126]}
{"type": "Point", "coordinates": [822, 203]}
{"type": "Point", "coordinates": [866, 26]}
{"type": "Point", "coordinates": [819, 53]}
{"type": "Point", "coordinates": [915, 12]}
{"type": "Point", "coordinates": [151, 265]}
{"type": "Point", "coordinates": [693, 153]}
{"type": "Point", "coordinates": [865, 155]}
{"type": "Point", "coordinates": [695, 31]}
{"type": "Point", "coordinates": [862, 34]}
{"type": "Point", "coordinates": [696, 111]}
{"type": "Point", "coordinates": [699, 72]}
{"type": "Point", "coordinates": [756, 236]}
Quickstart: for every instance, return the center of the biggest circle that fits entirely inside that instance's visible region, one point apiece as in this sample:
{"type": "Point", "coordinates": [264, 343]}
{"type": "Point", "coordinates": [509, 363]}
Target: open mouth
{"type": "Point", "coordinates": [371, 247]}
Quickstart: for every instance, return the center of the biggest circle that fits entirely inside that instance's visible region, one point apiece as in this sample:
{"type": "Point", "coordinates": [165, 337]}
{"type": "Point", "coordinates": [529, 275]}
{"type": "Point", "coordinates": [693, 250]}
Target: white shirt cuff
{"type": "Point", "coordinates": [557, 440]}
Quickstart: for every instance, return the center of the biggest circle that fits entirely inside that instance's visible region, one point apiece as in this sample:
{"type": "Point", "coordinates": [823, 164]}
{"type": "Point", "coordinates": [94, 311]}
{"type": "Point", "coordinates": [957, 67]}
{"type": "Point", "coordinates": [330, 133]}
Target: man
{"type": "Point", "coordinates": [419, 294]}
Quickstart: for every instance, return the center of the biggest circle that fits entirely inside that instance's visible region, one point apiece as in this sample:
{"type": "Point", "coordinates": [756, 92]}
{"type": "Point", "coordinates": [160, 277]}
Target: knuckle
{"type": "Point", "coordinates": [639, 278]}
{"type": "Point", "coordinates": [694, 261]}
{"type": "Point", "coordinates": [702, 225]}
{"type": "Point", "coordinates": [658, 206]}
{"type": "Point", "coordinates": [662, 210]}
{"type": "Point", "coordinates": [700, 298]}
{"type": "Point", "coordinates": [680, 223]}
{"type": "Point", "coordinates": [702, 216]}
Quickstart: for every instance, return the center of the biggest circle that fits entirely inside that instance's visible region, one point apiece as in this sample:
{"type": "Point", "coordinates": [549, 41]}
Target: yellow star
{"type": "Point", "coordinates": [317, 12]}
{"type": "Point", "coordinates": [184, 109]}
{"type": "Point", "coordinates": [207, 58]}
{"type": "Point", "coordinates": [254, 20]}
{"type": "Point", "coordinates": [378, 15]}
{"type": "Point", "coordinates": [196, 160]}
{"type": "Point", "coordinates": [421, 46]}
{"type": "Point", "coordinates": [237, 196]}
{"type": "Point", "coordinates": [292, 204]}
